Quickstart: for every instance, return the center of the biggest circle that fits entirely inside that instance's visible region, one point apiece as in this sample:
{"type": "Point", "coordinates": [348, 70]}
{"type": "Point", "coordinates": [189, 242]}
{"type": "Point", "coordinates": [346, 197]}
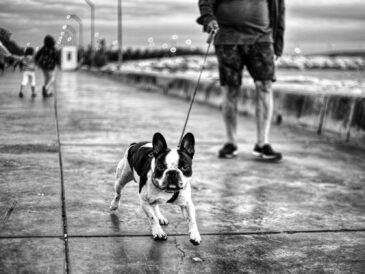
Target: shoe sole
{"type": "Point", "coordinates": [228, 156]}
{"type": "Point", "coordinates": [264, 157]}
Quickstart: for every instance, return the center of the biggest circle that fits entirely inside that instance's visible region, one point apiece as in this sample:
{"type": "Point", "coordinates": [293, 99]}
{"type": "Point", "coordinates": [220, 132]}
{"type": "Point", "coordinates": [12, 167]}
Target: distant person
{"type": "Point", "coordinates": [249, 33]}
{"type": "Point", "coordinates": [27, 64]}
{"type": "Point", "coordinates": [4, 52]}
{"type": "Point", "coordinates": [2, 63]}
{"type": "Point", "coordinates": [47, 58]}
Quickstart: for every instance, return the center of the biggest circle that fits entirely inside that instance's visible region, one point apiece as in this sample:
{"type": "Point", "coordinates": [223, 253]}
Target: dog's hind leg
{"type": "Point", "coordinates": [161, 218]}
{"type": "Point", "coordinates": [123, 176]}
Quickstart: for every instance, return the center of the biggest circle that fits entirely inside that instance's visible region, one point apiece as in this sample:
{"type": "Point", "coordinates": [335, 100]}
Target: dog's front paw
{"type": "Point", "coordinates": [195, 238]}
{"type": "Point", "coordinates": [114, 205]}
{"type": "Point", "coordinates": [162, 220]}
{"type": "Point", "coordinates": [159, 234]}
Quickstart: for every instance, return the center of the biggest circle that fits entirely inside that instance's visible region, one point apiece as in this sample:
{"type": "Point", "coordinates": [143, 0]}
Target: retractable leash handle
{"type": "Point", "coordinates": [211, 36]}
{"type": "Point", "coordinates": [209, 41]}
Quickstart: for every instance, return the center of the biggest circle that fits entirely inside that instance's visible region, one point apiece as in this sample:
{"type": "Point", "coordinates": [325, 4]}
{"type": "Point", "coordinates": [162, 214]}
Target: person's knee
{"type": "Point", "coordinates": [230, 99]}
{"type": "Point", "coordinates": [231, 94]}
{"type": "Point", "coordinates": [263, 86]}
{"type": "Point", "coordinates": [229, 109]}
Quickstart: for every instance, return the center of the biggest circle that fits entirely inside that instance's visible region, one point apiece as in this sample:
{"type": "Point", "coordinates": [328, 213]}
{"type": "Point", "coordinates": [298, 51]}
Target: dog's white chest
{"type": "Point", "coordinates": [152, 195]}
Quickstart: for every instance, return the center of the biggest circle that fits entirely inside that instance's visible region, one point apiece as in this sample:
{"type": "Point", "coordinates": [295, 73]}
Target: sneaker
{"type": "Point", "coordinates": [228, 151]}
{"type": "Point", "coordinates": [21, 95]}
{"type": "Point", "coordinates": [46, 94]}
{"type": "Point", "coordinates": [44, 91]}
{"type": "Point", "coordinates": [266, 153]}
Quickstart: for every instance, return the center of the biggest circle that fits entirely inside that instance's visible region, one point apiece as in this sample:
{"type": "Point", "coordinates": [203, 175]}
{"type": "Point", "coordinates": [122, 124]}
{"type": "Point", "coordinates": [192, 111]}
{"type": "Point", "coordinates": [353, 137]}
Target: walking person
{"type": "Point", "coordinates": [27, 64]}
{"type": "Point", "coordinates": [248, 33]}
{"type": "Point", "coordinates": [47, 58]}
{"type": "Point", "coordinates": [4, 52]}
{"type": "Point", "coordinates": [2, 63]}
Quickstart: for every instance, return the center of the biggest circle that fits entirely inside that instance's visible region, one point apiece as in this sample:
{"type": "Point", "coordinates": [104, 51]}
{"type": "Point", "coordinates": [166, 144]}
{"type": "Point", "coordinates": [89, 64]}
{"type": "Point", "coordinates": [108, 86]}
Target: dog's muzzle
{"type": "Point", "coordinates": [173, 181]}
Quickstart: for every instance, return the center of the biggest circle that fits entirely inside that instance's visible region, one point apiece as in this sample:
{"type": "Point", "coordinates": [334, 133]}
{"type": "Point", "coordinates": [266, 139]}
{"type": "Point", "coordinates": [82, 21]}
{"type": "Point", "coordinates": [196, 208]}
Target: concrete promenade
{"type": "Point", "coordinates": [303, 215]}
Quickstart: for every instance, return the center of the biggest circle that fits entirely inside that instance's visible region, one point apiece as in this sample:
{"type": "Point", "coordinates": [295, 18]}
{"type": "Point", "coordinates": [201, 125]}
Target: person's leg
{"type": "Point", "coordinates": [262, 69]}
{"type": "Point", "coordinates": [33, 91]}
{"type": "Point", "coordinates": [230, 73]}
{"type": "Point", "coordinates": [45, 79]}
{"type": "Point", "coordinates": [229, 111]}
{"type": "Point", "coordinates": [51, 81]}
{"type": "Point", "coordinates": [32, 82]}
{"type": "Point", "coordinates": [21, 95]}
{"type": "Point", "coordinates": [23, 84]}
{"type": "Point", "coordinates": [48, 81]}
{"type": "Point", "coordinates": [264, 111]}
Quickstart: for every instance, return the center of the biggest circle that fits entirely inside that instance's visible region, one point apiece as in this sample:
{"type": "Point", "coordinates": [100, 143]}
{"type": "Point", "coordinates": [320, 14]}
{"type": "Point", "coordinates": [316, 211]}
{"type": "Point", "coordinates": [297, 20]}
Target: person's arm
{"type": "Point", "coordinates": [279, 37]}
{"type": "Point", "coordinates": [38, 55]}
{"type": "Point", "coordinates": [19, 58]}
{"type": "Point", "coordinates": [58, 58]}
{"type": "Point", "coordinates": [207, 16]}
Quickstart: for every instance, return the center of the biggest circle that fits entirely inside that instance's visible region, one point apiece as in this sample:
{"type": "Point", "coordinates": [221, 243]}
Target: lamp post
{"type": "Point", "coordinates": [81, 31]}
{"type": "Point", "coordinates": [70, 29]}
{"type": "Point", "coordinates": [92, 22]}
{"type": "Point", "coordinates": [120, 54]}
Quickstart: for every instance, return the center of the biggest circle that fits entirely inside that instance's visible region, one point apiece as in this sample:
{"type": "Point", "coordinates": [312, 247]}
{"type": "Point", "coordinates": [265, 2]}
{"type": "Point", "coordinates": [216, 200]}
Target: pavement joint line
{"type": "Point", "coordinates": [248, 233]}
{"type": "Point", "coordinates": [63, 203]}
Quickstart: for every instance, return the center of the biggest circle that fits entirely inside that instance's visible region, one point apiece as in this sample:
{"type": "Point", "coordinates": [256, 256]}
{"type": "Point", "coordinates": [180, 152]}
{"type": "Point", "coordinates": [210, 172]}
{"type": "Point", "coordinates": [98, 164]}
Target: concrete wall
{"type": "Point", "coordinates": [322, 112]}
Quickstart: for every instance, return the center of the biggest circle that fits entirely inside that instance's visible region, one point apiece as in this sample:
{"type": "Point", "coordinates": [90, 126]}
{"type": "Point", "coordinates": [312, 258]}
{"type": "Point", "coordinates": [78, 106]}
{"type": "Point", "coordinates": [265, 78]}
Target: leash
{"type": "Point", "coordinates": [209, 41]}
{"type": "Point", "coordinates": [67, 267]}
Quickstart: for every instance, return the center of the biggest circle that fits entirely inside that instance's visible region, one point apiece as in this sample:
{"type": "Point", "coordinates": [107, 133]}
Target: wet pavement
{"type": "Point", "coordinates": [303, 215]}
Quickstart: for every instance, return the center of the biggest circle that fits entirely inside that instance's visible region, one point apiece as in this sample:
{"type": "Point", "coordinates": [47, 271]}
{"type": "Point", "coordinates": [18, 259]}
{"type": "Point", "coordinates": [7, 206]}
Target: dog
{"type": "Point", "coordinates": [164, 176]}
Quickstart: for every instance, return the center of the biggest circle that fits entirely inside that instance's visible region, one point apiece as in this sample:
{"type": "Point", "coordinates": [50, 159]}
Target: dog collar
{"type": "Point", "coordinates": [174, 197]}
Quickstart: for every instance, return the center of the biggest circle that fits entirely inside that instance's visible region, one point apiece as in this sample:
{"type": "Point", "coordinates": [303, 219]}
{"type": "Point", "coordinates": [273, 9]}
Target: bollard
{"type": "Point", "coordinates": [351, 115]}
{"type": "Point", "coordinates": [322, 114]}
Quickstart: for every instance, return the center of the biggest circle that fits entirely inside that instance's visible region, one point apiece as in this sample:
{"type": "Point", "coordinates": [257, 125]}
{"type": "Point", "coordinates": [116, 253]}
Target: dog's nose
{"type": "Point", "coordinates": [172, 173]}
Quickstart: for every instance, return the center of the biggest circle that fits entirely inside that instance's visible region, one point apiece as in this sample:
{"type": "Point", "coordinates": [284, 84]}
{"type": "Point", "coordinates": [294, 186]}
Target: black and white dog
{"type": "Point", "coordinates": [164, 176]}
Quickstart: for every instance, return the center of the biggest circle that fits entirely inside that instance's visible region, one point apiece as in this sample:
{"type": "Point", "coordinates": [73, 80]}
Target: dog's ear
{"type": "Point", "coordinates": [159, 143]}
{"type": "Point", "coordinates": [187, 144]}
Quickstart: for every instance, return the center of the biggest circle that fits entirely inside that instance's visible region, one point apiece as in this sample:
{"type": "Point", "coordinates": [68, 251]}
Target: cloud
{"type": "Point", "coordinates": [324, 22]}
{"type": "Point", "coordinates": [309, 21]}
{"type": "Point", "coordinates": [323, 10]}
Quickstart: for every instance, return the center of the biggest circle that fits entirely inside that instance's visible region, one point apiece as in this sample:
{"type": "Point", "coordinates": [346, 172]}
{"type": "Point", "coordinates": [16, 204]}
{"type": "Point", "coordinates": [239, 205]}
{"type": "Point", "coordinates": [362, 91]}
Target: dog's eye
{"type": "Point", "coordinates": [161, 167]}
{"type": "Point", "coordinates": [185, 168]}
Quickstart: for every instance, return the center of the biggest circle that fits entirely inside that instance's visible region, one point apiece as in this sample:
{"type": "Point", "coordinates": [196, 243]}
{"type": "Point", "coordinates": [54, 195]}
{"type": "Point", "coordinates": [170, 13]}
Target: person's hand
{"type": "Point", "coordinates": [276, 58]}
{"type": "Point", "coordinates": [212, 26]}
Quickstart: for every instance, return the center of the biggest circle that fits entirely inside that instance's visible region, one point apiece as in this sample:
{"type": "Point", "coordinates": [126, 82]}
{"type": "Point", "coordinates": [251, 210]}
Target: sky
{"type": "Point", "coordinates": [312, 25]}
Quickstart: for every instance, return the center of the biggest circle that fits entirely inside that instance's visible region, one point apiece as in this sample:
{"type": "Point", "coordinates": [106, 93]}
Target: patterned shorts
{"type": "Point", "coordinates": [258, 58]}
